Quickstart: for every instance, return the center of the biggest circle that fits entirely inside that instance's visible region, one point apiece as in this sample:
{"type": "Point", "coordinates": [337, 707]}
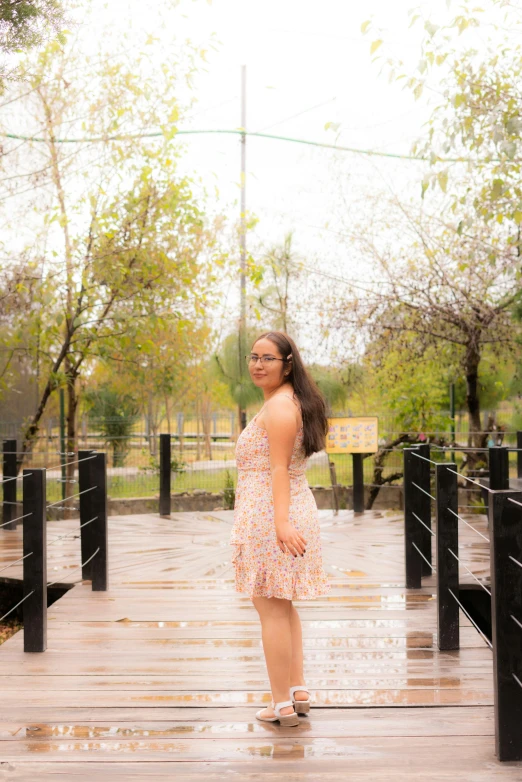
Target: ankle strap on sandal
{"type": "Point", "coordinates": [278, 706]}
{"type": "Point", "coordinates": [299, 687]}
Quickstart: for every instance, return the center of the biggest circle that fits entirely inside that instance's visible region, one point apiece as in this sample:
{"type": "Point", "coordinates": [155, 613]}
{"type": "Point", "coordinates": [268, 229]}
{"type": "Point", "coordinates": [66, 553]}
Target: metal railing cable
{"type": "Point", "coordinates": [16, 561]}
{"type": "Point", "coordinates": [470, 619]}
{"type": "Point", "coordinates": [76, 461]}
{"type": "Point", "coordinates": [78, 568]}
{"type": "Point", "coordinates": [73, 532]}
{"type": "Point", "coordinates": [16, 606]}
{"type": "Point", "coordinates": [424, 558]}
{"type": "Point", "coordinates": [65, 499]}
{"type": "Point", "coordinates": [16, 478]}
{"type": "Point", "coordinates": [468, 524]}
{"type": "Point", "coordinates": [515, 560]}
{"type": "Point", "coordinates": [469, 571]}
{"type": "Point", "coordinates": [471, 480]}
{"type": "Point", "coordinates": [423, 524]}
{"type": "Point", "coordinates": [423, 491]}
{"type": "Point", "coordinates": [515, 677]}
{"type": "Point", "coordinates": [19, 518]}
{"type": "Point", "coordinates": [424, 458]}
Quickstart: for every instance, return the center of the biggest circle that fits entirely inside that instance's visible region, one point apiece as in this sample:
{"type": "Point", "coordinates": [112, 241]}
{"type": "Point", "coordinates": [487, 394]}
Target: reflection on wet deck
{"type": "Point", "coordinates": [161, 675]}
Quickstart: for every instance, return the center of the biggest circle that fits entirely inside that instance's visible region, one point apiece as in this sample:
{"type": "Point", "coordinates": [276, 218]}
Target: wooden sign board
{"type": "Point", "coordinates": [353, 435]}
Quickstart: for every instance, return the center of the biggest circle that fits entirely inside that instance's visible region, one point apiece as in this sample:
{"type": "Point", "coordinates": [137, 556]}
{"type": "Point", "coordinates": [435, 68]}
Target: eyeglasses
{"type": "Point", "coordinates": [265, 360]}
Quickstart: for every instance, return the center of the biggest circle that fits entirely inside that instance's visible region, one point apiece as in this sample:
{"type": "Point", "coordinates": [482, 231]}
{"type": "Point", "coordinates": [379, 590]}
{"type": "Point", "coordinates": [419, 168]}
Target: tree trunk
{"type": "Point", "coordinates": [477, 439]}
{"type": "Point", "coordinates": [206, 411]}
{"type": "Point", "coordinates": [70, 447]}
{"type": "Point", "coordinates": [167, 413]}
{"type": "Point", "coordinates": [379, 460]}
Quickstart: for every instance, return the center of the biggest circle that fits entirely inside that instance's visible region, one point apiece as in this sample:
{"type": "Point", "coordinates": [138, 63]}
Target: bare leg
{"type": "Point", "coordinates": [296, 668]}
{"type": "Point", "coordinates": [274, 614]}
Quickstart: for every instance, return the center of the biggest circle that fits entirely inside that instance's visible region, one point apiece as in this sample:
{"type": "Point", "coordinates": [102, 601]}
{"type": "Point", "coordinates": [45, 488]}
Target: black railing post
{"type": "Point", "coordinates": [358, 483]}
{"type": "Point", "coordinates": [519, 454]}
{"type": "Point", "coordinates": [9, 471]}
{"type": "Point", "coordinates": [498, 468]}
{"type": "Point", "coordinates": [424, 500]}
{"type": "Point", "coordinates": [35, 562]}
{"type": "Point", "coordinates": [92, 471]}
{"type": "Point", "coordinates": [100, 563]}
{"type": "Point", "coordinates": [506, 606]}
{"type": "Point", "coordinates": [413, 560]}
{"type": "Point", "coordinates": [447, 537]}
{"type": "Point", "coordinates": [165, 475]}
{"type": "Point", "coordinates": [87, 532]}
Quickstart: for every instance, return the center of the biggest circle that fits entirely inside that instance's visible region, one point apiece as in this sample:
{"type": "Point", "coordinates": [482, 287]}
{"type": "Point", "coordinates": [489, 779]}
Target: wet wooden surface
{"type": "Point", "coordinates": [160, 677]}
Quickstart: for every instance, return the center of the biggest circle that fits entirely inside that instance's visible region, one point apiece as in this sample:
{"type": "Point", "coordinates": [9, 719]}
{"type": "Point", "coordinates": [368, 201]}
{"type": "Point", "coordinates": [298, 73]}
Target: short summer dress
{"type": "Point", "coordinates": [261, 568]}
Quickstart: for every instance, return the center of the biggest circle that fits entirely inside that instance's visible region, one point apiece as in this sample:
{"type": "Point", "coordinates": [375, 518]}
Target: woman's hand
{"type": "Point", "coordinates": [290, 540]}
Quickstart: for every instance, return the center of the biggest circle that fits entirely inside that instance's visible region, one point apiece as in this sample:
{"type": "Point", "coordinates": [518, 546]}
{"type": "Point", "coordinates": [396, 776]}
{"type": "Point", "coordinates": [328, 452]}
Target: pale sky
{"type": "Point", "coordinates": [307, 64]}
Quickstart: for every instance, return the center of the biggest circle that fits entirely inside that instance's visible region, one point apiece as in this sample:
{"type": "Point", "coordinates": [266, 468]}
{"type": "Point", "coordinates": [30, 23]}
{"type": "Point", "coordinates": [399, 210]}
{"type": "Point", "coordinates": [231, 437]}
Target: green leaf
{"type": "Point", "coordinates": [442, 179]}
{"type": "Point", "coordinates": [375, 45]}
{"type": "Point", "coordinates": [431, 28]}
{"type": "Point", "coordinates": [365, 25]}
{"type": "Point", "coordinates": [417, 92]}
{"type": "Point", "coordinates": [497, 188]}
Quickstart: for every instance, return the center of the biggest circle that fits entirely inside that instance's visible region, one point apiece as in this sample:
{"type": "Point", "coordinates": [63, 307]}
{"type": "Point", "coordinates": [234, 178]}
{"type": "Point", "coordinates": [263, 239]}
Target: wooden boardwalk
{"type": "Point", "coordinates": [160, 677]}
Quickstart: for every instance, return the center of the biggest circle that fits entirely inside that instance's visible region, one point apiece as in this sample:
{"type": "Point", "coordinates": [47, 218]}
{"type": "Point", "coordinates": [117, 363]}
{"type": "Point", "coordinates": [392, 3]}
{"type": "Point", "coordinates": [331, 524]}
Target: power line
{"type": "Point", "coordinates": [238, 132]}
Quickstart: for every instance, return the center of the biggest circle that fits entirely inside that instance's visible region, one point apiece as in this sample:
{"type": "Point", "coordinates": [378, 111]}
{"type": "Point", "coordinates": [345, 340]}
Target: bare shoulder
{"type": "Point", "coordinates": [282, 410]}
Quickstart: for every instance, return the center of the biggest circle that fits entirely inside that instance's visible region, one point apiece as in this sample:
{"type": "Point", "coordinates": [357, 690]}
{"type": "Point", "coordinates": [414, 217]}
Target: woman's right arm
{"type": "Point", "coordinates": [281, 427]}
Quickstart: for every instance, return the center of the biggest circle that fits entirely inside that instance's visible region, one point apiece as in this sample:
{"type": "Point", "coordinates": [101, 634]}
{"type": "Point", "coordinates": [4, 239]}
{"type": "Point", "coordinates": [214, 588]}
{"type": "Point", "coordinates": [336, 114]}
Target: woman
{"type": "Point", "coordinates": [276, 536]}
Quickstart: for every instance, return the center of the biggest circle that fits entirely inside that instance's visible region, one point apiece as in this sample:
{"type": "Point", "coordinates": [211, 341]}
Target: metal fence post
{"type": "Point", "coordinates": [100, 563]}
{"type": "Point", "coordinates": [424, 503]}
{"type": "Point", "coordinates": [9, 471]}
{"type": "Point", "coordinates": [447, 537]}
{"type": "Point", "coordinates": [413, 560]}
{"type": "Point", "coordinates": [165, 475]}
{"type": "Point", "coordinates": [498, 468]}
{"type": "Point", "coordinates": [505, 522]}
{"type": "Point", "coordinates": [35, 562]}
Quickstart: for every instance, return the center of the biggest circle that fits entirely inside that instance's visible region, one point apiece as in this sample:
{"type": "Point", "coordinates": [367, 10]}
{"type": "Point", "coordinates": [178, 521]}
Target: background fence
{"type": "Point", "coordinates": [203, 453]}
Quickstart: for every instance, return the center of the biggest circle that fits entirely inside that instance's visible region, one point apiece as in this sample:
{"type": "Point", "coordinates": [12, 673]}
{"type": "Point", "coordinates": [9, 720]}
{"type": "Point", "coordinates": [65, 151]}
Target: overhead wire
{"type": "Point", "coordinates": [237, 132]}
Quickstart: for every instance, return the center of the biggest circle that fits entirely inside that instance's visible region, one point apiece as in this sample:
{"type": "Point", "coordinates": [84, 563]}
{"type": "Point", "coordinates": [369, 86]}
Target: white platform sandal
{"type": "Point", "coordinates": [301, 707]}
{"type": "Point", "coordinates": [287, 720]}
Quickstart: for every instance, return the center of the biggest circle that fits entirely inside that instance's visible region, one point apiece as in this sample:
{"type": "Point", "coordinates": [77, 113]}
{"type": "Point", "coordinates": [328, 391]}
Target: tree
{"type": "Point", "coordinates": [114, 414]}
{"type": "Point", "coordinates": [330, 382]}
{"type": "Point", "coordinates": [126, 245]}
{"type": "Point", "coordinates": [227, 368]}
{"type": "Point", "coordinates": [25, 24]}
{"type": "Point", "coordinates": [276, 295]}
{"type": "Point", "coordinates": [472, 254]}
{"type": "Point", "coordinates": [441, 296]}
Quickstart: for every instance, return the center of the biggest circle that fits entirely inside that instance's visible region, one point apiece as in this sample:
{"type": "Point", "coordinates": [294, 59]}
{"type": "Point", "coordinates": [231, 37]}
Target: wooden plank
{"type": "Point", "coordinates": [165, 671]}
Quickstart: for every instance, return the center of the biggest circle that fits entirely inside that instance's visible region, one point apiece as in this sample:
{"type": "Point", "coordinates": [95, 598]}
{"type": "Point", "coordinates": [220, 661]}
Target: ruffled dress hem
{"type": "Point", "coordinates": [259, 582]}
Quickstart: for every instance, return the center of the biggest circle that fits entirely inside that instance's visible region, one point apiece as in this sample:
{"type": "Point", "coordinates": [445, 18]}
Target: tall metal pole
{"type": "Point", "coordinates": [242, 239]}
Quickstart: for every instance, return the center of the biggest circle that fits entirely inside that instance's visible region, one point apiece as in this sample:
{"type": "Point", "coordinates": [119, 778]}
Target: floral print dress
{"type": "Point", "coordinates": [261, 568]}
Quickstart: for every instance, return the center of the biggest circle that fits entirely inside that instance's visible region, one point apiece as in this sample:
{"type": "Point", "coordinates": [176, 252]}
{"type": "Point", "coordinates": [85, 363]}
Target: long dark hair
{"type": "Point", "coordinates": [313, 407]}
